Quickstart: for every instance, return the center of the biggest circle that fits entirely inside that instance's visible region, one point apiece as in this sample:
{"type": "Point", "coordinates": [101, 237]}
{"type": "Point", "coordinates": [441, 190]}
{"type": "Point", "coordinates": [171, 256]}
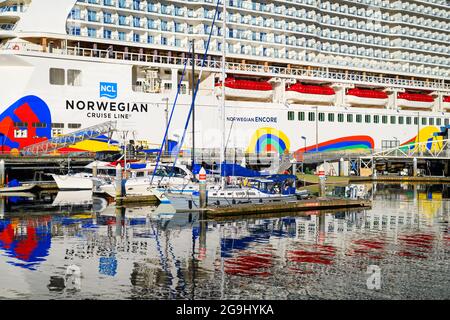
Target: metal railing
{"type": "Point", "coordinates": [434, 149]}
{"type": "Point", "coordinates": [70, 139]}
{"type": "Point", "coordinates": [214, 65]}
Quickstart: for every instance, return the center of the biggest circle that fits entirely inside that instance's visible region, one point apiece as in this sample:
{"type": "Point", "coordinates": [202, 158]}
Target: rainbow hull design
{"type": "Point", "coordinates": [353, 143]}
{"type": "Point", "coordinates": [269, 139]}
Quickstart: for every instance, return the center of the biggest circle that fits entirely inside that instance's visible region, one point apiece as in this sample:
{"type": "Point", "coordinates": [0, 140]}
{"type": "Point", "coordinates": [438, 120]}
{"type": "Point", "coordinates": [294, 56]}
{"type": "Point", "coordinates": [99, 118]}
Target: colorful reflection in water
{"type": "Point", "coordinates": [152, 253]}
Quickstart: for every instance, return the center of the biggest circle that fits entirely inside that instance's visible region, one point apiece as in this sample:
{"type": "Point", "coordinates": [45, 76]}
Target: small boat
{"type": "Point", "coordinates": [314, 94]}
{"type": "Point", "coordinates": [245, 89]}
{"type": "Point", "coordinates": [21, 188]}
{"type": "Point", "coordinates": [366, 97]}
{"type": "Point", "coordinates": [76, 181]}
{"type": "Point", "coordinates": [415, 100]}
{"type": "Point", "coordinates": [275, 188]}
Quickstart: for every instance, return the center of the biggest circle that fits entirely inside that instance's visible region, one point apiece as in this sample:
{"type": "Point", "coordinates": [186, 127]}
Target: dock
{"type": "Point", "coordinates": [295, 206]}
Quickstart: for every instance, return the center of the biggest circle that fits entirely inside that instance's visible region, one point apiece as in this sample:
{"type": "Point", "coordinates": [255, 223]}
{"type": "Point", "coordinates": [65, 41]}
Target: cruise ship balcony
{"type": "Point", "coordinates": [415, 100]}
{"type": "Point", "coordinates": [245, 89]}
{"type": "Point", "coordinates": [313, 94]}
{"type": "Point", "coordinates": [366, 97]}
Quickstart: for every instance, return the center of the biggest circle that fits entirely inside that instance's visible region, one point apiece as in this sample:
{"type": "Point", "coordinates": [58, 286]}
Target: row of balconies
{"type": "Point", "coordinates": [283, 53]}
{"type": "Point", "coordinates": [282, 39]}
{"type": "Point", "coordinates": [339, 49]}
{"type": "Point", "coordinates": [302, 27]}
{"type": "Point", "coordinates": [282, 10]}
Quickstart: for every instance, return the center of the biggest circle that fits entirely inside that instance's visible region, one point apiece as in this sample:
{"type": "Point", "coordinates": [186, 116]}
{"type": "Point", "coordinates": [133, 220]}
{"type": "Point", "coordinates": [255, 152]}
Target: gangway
{"type": "Point", "coordinates": [59, 142]}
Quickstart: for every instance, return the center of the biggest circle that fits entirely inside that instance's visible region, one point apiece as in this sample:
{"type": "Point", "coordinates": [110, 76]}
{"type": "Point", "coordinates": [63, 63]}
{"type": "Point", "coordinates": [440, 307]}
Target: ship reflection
{"type": "Point", "coordinates": [163, 254]}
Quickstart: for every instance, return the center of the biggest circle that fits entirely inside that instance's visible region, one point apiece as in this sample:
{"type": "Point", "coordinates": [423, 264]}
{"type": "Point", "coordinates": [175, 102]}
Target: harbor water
{"type": "Point", "coordinates": [69, 246]}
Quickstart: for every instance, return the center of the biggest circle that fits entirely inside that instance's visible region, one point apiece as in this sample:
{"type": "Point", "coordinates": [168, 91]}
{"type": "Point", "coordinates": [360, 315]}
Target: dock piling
{"type": "Point", "coordinates": [119, 180]}
{"type": "Point", "coordinates": [415, 167]}
{"type": "Point", "coordinates": [202, 188]}
{"type": "Point", "coordinates": [2, 173]}
{"type": "Point", "coordinates": [94, 169]}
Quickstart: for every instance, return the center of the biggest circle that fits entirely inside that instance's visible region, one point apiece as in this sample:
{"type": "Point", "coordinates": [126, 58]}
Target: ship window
{"type": "Point", "coordinates": [74, 125]}
{"type": "Point", "coordinates": [401, 120]}
{"type": "Point", "coordinates": [74, 78]}
{"type": "Point", "coordinates": [340, 117]}
{"type": "Point", "coordinates": [367, 118]}
{"type": "Point", "coordinates": [416, 120]}
{"type": "Point", "coordinates": [311, 116]}
{"type": "Point", "coordinates": [349, 118]}
{"type": "Point", "coordinates": [438, 121]}
{"type": "Point", "coordinates": [424, 121]}
{"type": "Point", "coordinates": [20, 124]}
{"type": "Point", "coordinates": [321, 116]}
{"type": "Point", "coordinates": [301, 116]}
{"type": "Point", "coordinates": [384, 119]}
{"type": "Point", "coordinates": [358, 118]}
{"type": "Point", "coordinates": [331, 117]}
{"type": "Point", "coordinates": [376, 119]}
{"type": "Point", "coordinates": [408, 120]}
{"type": "Point", "coordinates": [393, 119]}
{"type": "Point", "coordinates": [57, 76]}
{"type": "Point", "coordinates": [431, 122]}
{"type": "Point", "coordinates": [291, 115]}
{"type": "Point", "coordinates": [58, 125]}
{"type": "Point", "coordinates": [446, 122]}
{"type": "Point", "coordinates": [39, 125]}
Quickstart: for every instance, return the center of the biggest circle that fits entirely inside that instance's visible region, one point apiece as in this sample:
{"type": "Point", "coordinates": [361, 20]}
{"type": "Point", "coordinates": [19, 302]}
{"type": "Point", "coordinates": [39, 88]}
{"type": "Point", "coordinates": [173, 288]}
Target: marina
{"type": "Point", "coordinates": [224, 149]}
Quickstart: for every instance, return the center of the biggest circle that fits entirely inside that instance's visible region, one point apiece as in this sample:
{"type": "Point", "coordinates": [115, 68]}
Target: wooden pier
{"type": "Point", "coordinates": [295, 206]}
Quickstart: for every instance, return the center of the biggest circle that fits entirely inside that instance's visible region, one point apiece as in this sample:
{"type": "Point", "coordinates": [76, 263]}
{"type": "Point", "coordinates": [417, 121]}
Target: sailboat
{"type": "Point", "coordinates": [257, 190]}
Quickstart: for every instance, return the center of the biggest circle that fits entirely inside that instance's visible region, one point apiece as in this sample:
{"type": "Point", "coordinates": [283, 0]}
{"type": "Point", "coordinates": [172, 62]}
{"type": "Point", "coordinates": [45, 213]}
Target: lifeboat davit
{"type": "Point", "coordinates": [310, 93]}
{"type": "Point", "coordinates": [446, 103]}
{"type": "Point", "coordinates": [366, 97]}
{"type": "Point", "coordinates": [415, 100]}
{"type": "Point", "coordinates": [246, 89]}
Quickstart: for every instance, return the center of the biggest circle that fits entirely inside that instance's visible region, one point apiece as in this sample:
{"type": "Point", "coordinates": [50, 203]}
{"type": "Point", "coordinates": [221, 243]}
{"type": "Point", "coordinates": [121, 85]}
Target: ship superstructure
{"type": "Point", "coordinates": [301, 75]}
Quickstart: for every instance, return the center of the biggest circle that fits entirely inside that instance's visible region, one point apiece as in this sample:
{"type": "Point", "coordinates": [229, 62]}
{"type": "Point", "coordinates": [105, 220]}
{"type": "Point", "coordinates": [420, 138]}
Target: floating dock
{"type": "Point", "coordinates": [427, 179]}
{"type": "Point", "coordinates": [295, 206]}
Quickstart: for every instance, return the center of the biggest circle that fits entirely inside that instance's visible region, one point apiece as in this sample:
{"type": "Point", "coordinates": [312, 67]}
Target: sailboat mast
{"type": "Point", "coordinates": [193, 104]}
{"type": "Point", "coordinates": [222, 106]}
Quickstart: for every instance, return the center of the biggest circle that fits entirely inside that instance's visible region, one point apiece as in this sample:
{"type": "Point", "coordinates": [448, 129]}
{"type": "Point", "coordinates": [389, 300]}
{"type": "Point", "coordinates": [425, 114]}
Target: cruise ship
{"type": "Point", "coordinates": [301, 75]}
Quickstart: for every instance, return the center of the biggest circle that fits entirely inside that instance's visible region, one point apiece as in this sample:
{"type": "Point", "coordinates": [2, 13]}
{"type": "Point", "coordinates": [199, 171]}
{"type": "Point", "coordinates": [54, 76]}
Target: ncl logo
{"type": "Point", "coordinates": [108, 90]}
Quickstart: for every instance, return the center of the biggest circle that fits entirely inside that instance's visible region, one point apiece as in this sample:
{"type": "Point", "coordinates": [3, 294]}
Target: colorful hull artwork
{"type": "Point", "coordinates": [28, 121]}
{"type": "Point", "coordinates": [353, 143]}
{"type": "Point", "coordinates": [426, 136]}
{"type": "Point", "coordinates": [18, 127]}
{"type": "Point", "coordinates": [269, 139]}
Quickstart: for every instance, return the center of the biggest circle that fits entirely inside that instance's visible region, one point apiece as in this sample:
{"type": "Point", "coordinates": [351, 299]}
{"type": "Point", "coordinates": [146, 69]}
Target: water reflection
{"type": "Point", "coordinates": [156, 253]}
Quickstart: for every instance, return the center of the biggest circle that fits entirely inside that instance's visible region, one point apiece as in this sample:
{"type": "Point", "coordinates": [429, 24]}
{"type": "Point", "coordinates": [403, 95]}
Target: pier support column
{"type": "Point", "coordinates": [2, 207]}
{"type": "Point", "coordinates": [294, 168]}
{"type": "Point", "coordinates": [415, 167]}
{"type": "Point", "coordinates": [94, 169]}
{"type": "Point", "coordinates": [202, 188]}
{"type": "Point", "coordinates": [341, 167]}
{"type": "Point", "coordinates": [2, 173]}
{"type": "Point", "coordinates": [322, 183]}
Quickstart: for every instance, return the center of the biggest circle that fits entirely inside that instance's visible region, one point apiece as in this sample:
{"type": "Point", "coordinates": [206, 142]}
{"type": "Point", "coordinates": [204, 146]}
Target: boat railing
{"type": "Point", "coordinates": [215, 65]}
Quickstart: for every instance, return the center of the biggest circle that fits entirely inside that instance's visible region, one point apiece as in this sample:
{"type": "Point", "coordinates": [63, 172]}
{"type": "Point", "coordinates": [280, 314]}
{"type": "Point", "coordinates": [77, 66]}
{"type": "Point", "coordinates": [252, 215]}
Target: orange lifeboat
{"type": "Point", "coordinates": [245, 89]}
{"type": "Point", "coordinates": [314, 94]}
{"type": "Point", "coordinates": [414, 100]}
{"type": "Point", "coordinates": [366, 97]}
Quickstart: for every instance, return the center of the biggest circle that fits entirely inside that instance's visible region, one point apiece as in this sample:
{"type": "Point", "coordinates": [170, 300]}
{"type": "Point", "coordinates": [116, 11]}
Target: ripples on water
{"type": "Point", "coordinates": [148, 253]}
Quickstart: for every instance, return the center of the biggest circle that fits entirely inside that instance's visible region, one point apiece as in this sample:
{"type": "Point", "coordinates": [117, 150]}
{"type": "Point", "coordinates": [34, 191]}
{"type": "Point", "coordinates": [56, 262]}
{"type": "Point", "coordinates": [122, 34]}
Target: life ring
{"type": "Point", "coordinates": [16, 47]}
